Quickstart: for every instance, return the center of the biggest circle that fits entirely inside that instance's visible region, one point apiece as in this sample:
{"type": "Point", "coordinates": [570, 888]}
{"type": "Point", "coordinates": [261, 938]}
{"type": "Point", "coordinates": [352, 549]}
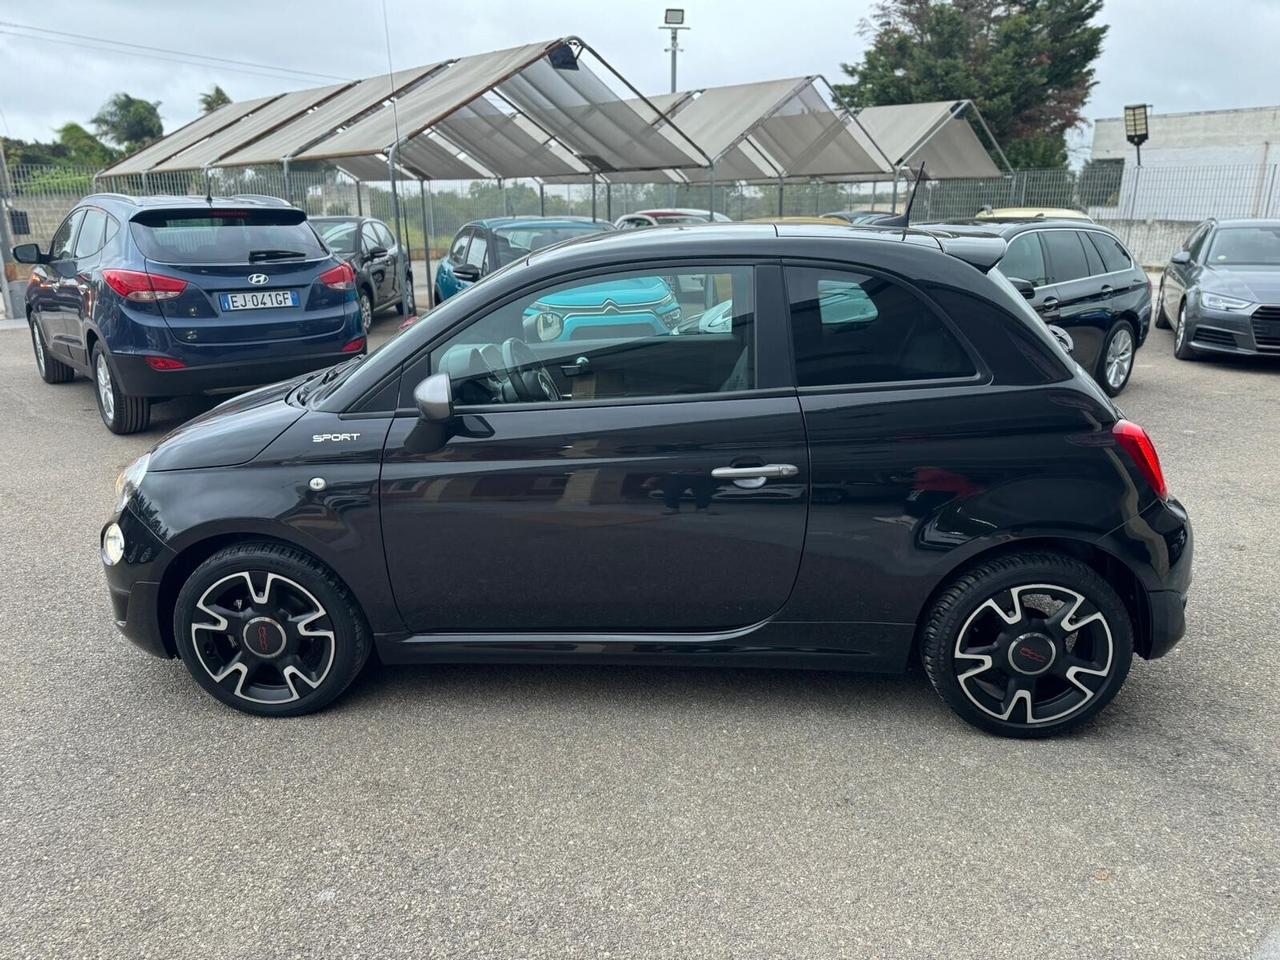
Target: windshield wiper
{"type": "Point", "coordinates": [256, 255]}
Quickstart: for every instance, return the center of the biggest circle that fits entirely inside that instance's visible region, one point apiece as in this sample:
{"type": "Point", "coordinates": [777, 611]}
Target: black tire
{"type": "Point", "coordinates": [325, 659]}
{"type": "Point", "coordinates": [1122, 328]}
{"type": "Point", "coordinates": [366, 310]}
{"type": "Point", "coordinates": [123, 414]}
{"type": "Point", "coordinates": [1161, 321]}
{"type": "Point", "coordinates": [51, 370]}
{"type": "Point", "coordinates": [407, 305]}
{"type": "Point", "coordinates": [1069, 688]}
{"type": "Point", "coordinates": [1182, 348]}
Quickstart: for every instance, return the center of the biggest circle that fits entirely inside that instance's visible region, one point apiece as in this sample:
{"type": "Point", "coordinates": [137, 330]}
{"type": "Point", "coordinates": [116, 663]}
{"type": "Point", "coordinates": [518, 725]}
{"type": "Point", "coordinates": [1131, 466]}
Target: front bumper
{"type": "Point", "coordinates": [1234, 332]}
{"type": "Point", "coordinates": [139, 380]}
{"type": "Point", "coordinates": [134, 584]}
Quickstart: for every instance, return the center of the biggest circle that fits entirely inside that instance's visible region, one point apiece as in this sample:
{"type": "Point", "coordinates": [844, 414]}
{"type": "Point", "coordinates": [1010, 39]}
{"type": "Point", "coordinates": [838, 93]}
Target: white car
{"type": "Point", "coordinates": [670, 216]}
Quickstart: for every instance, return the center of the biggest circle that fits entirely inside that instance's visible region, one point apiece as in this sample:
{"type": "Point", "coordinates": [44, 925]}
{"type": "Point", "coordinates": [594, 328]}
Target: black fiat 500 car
{"type": "Point", "coordinates": [1082, 280]}
{"type": "Point", "coordinates": [871, 448]}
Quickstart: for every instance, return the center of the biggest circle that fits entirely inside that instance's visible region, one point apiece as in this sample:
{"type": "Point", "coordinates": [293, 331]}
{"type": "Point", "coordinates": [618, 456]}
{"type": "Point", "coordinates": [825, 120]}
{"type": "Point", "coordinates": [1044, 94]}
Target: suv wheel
{"type": "Point", "coordinates": [268, 630]}
{"type": "Point", "coordinates": [51, 370]}
{"type": "Point", "coordinates": [1182, 348]}
{"type": "Point", "coordinates": [121, 413]}
{"type": "Point", "coordinates": [407, 306]}
{"type": "Point", "coordinates": [1115, 364]}
{"type": "Point", "coordinates": [1027, 645]}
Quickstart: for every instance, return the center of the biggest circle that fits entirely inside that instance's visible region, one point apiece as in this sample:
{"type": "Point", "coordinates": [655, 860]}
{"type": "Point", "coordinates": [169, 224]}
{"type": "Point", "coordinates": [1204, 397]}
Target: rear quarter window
{"type": "Point", "coordinates": [232, 236]}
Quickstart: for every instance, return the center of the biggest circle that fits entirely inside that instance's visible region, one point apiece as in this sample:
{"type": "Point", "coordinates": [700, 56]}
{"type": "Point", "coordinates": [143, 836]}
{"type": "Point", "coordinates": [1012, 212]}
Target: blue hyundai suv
{"type": "Point", "coordinates": [159, 297]}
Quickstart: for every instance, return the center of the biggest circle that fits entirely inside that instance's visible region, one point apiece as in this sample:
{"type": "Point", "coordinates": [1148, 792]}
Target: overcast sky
{"type": "Point", "coordinates": [1175, 54]}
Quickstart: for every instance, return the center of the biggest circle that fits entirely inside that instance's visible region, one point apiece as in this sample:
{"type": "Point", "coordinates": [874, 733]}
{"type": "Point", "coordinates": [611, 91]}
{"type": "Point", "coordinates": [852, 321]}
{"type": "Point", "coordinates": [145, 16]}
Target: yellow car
{"type": "Point", "coordinates": [1006, 214]}
{"type": "Point", "coordinates": [829, 221]}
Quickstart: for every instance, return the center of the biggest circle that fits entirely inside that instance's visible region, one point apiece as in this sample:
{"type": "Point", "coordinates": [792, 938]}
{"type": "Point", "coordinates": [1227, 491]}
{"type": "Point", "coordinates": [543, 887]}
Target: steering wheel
{"type": "Point", "coordinates": [529, 378]}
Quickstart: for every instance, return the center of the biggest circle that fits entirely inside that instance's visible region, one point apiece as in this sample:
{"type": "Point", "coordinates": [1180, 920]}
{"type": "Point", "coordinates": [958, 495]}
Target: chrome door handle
{"type": "Point", "coordinates": [767, 471]}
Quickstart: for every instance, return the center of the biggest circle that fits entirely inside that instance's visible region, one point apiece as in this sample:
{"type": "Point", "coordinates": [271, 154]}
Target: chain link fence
{"type": "Point", "coordinates": [1151, 208]}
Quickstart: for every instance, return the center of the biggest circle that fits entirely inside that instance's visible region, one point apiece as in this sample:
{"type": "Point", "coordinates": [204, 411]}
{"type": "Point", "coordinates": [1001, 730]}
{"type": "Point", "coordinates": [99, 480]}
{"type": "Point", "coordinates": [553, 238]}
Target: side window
{"type": "Point", "coordinates": [60, 247]}
{"type": "Point", "coordinates": [1091, 255]}
{"type": "Point", "coordinates": [853, 328]}
{"type": "Point", "coordinates": [475, 255]}
{"type": "Point", "coordinates": [1196, 243]}
{"type": "Point", "coordinates": [458, 252]}
{"type": "Point", "coordinates": [369, 238]}
{"type": "Point", "coordinates": [91, 236]}
{"type": "Point", "coordinates": [1114, 256]}
{"type": "Point", "coordinates": [1025, 260]}
{"type": "Point", "coordinates": [1066, 255]}
{"type": "Point", "coordinates": [384, 235]}
{"type": "Point", "coordinates": [618, 336]}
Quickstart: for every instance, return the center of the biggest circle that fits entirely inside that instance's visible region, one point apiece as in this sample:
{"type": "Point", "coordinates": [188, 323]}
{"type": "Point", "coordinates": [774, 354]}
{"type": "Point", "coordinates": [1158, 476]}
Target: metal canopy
{"type": "Point", "coordinates": [184, 137]}
{"type": "Point", "coordinates": [936, 134]}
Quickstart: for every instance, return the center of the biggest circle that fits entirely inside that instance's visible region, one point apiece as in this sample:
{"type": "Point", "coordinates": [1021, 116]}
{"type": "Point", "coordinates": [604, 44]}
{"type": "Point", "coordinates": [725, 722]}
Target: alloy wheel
{"type": "Point", "coordinates": [1119, 358]}
{"type": "Point", "coordinates": [106, 394]}
{"type": "Point", "coordinates": [1034, 654]}
{"type": "Point", "coordinates": [38, 341]}
{"type": "Point", "coordinates": [265, 639]}
{"type": "Point", "coordinates": [366, 312]}
{"type": "Point", "coordinates": [1180, 335]}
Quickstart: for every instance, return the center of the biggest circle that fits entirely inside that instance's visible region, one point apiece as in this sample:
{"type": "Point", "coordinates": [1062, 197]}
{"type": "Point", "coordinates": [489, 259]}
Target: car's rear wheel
{"type": "Point", "coordinates": [407, 306]}
{"type": "Point", "coordinates": [1027, 645]}
{"type": "Point", "coordinates": [366, 311]}
{"type": "Point", "coordinates": [267, 629]}
{"type": "Point", "coordinates": [121, 413]}
{"type": "Point", "coordinates": [1182, 348]}
{"type": "Point", "coordinates": [51, 369]}
{"type": "Point", "coordinates": [1161, 321]}
{"type": "Point", "coordinates": [1115, 364]}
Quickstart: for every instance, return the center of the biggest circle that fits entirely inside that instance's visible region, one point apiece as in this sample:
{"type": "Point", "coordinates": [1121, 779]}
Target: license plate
{"type": "Point", "coordinates": [259, 299]}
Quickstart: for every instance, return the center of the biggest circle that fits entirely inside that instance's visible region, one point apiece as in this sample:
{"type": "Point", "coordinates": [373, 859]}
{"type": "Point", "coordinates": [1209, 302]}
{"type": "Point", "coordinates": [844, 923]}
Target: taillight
{"type": "Point", "coordinates": [1138, 445]}
{"type": "Point", "coordinates": [165, 363]}
{"type": "Point", "coordinates": [143, 287]}
{"type": "Point", "coordinates": [354, 346]}
{"type": "Point", "coordinates": [341, 277]}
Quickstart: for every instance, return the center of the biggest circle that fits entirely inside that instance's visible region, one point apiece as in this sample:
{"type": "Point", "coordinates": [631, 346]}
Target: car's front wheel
{"type": "Point", "coordinates": [51, 369]}
{"type": "Point", "coordinates": [1161, 321]}
{"type": "Point", "coordinates": [267, 629]}
{"type": "Point", "coordinates": [1182, 348]}
{"type": "Point", "coordinates": [119, 411]}
{"type": "Point", "coordinates": [407, 306]}
{"type": "Point", "coordinates": [1027, 645]}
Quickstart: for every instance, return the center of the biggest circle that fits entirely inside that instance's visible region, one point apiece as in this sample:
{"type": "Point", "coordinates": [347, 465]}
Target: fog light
{"type": "Point", "coordinates": [113, 544]}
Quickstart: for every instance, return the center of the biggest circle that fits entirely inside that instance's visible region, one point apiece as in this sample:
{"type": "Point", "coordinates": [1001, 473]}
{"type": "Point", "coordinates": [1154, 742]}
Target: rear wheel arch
{"type": "Point", "coordinates": [1112, 569]}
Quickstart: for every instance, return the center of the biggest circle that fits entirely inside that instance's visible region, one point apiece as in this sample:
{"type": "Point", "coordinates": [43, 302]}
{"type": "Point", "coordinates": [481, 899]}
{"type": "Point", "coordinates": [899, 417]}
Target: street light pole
{"type": "Point", "coordinates": [673, 20]}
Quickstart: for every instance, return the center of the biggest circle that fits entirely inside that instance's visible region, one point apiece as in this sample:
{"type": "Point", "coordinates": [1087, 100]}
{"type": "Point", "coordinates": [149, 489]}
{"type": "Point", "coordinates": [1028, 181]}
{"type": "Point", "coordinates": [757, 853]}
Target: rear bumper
{"type": "Point", "coordinates": [139, 380]}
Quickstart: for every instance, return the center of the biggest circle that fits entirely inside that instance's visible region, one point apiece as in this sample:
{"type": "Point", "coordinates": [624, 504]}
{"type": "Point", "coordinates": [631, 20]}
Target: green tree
{"type": "Point", "coordinates": [83, 149]}
{"type": "Point", "coordinates": [215, 98]}
{"type": "Point", "coordinates": [128, 122]}
{"type": "Point", "coordinates": [1027, 64]}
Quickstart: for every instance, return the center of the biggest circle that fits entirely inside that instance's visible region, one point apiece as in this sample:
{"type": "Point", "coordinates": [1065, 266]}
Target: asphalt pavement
{"type": "Point", "coordinates": [515, 811]}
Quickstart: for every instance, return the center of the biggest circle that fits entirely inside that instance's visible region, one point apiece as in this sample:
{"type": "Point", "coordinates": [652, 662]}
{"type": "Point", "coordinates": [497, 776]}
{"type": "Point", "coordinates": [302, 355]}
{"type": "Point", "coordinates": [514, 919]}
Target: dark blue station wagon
{"type": "Point", "coordinates": [159, 297]}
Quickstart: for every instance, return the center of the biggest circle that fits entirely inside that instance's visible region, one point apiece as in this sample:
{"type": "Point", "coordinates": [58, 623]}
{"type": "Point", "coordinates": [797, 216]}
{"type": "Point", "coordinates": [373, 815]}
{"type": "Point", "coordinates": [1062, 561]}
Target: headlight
{"type": "Point", "coordinates": [112, 545]}
{"type": "Point", "coordinates": [131, 477]}
{"type": "Point", "coordinates": [1216, 301]}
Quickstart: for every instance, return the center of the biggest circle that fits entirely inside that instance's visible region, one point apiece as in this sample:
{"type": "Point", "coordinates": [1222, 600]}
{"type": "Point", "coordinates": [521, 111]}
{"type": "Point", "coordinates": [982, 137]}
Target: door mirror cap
{"type": "Point", "coordinates": [28, 253]}
{"type": "Point", "coordinates": [1024, 287]}
{"type": "Point", "coordinates": [1182, 256]}
{"type": "Point", "coordinates": [1062, 337]}
{"type": "Point", "coordinates": [375, 252]}
{"type": "Point", "coordinates": [434, 398]}
{"type": "Point", "coordinates": [467, 272]}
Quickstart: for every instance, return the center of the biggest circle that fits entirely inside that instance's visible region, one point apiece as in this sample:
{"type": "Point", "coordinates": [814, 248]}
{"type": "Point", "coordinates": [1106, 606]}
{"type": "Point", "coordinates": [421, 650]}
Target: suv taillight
{"type": "Point", "coordinates": [341, 277]}
{"type": "Point", "coordinates": [1142, 451]}
{"type": "Point", "coordinates": [143, 287]}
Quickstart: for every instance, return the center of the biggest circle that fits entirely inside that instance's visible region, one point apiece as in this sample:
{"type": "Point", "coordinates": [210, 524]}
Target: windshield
{"type": "Point", "coordinates": [341, 236]}
{"type": "Point", "coordinates": [669, 218]}
{"type": "Point", "coordinates": [1259, 245]}
{"type": "Point", "coordinates": [515, 243]}
{"type": "Point", "coordinates": [225, 236]}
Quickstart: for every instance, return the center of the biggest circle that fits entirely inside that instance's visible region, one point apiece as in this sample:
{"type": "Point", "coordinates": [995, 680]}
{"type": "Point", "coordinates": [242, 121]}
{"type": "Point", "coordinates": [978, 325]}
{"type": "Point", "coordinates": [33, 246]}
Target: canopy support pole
{"type": "Point", "coordinates": [402, 261]}
{"type": "Point", "coordinates": [288, 194]}
{"type": "Point", "coordinates": [780, 187]}
{"type": "Point", "coordinates": [593, 198]}
{"type": "Point", "coordinates": [431, 229]}
{"type": "Point", "coordinates": [894, 206]}
{"type": "Point", "coordinates": [426, 238]}
{"type": "Point", "coordinates": [711, 196]}
{"type": "Point", "coordinates": [359, 201]}
{"type": "Point", "coordinates": [542, 199]}
{"type": "Point", "coordinates": [608, 201]}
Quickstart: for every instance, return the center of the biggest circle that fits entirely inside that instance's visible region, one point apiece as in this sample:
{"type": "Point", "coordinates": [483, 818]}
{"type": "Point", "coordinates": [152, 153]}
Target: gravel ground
{"type": "Point", "coordinates": [493, 811]}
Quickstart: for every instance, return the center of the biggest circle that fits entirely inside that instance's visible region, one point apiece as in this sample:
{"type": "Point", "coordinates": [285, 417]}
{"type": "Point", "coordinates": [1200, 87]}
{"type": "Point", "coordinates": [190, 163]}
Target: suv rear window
{"type": "Point", "coordinates": [225, 236]}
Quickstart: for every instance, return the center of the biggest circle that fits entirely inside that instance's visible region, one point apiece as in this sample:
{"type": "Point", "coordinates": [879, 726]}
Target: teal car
{"type": "Point", "coordinates": [622, 308]}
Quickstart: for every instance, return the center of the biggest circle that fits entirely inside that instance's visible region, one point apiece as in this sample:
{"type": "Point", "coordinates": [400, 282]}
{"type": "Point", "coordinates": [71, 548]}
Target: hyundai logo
{"type": "Point", "coordinates": [258, 279]}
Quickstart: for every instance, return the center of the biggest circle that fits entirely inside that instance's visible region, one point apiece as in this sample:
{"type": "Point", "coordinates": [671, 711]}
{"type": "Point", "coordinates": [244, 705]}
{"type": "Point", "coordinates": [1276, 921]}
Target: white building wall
{"type": "Point", "coordinates": [1246, 136]}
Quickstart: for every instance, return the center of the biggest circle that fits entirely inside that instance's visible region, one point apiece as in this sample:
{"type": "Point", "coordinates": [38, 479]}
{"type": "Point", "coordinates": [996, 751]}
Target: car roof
{"type": "Point", "coordinates": [1248, 222]}
{"type": "Point", "coordinates": [492, 223]}
{"type": "Point", "coordinates": [1033, 213]}
{"type": "Point", "coordinates": [337, 217]}
{"type": "Point", "coordinates": [173, 201]}
{"type": "Point", "coordinates": [1011, 228]}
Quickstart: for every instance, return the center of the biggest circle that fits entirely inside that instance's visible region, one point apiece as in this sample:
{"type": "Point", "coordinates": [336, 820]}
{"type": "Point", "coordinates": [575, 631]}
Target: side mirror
{"type": "Point", "coordinates": [28, 253]}
{"type": "Point", "coordinates": [375, 252]}
{"type": "Point", "coordinates": [1062, 337]}
{"type": "Point", "coordinates": [434, 398]}
{"type": "Point", "coordinates": [1024, 287]}
{"type": "Point", "coordinates": [1182, 256]}
{"type": "Point", "coordinates": [467, 272]}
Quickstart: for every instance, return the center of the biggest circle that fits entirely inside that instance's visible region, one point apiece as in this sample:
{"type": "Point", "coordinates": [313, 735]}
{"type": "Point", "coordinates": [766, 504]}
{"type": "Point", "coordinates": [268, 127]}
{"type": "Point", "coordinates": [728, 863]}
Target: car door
{"type": "Point", "coordinates": [1080, 308]}
{"type": "Point", "coordinates": [446, 281]}
{"type": "Point", "coordinates": [89, 242]}
{"type": "Point", "coordinates": [378, 258]}
{"type": "Point", "coordinates": [1125, 286]}
{"type": "Point", "coordinates": [55, 282]}
{"type": "Point", "coordinates": [659, 485]}
{"type": "Point", "coordinates": [1180, 276]}
{"type": "Point", "coordinates": [388, 240]}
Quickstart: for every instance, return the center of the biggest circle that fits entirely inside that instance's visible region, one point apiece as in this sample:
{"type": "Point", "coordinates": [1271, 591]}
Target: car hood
{"type": "Point", "coordinates": [1257, 284]}
{"type": "Point", "coordinates": [232, 432]}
